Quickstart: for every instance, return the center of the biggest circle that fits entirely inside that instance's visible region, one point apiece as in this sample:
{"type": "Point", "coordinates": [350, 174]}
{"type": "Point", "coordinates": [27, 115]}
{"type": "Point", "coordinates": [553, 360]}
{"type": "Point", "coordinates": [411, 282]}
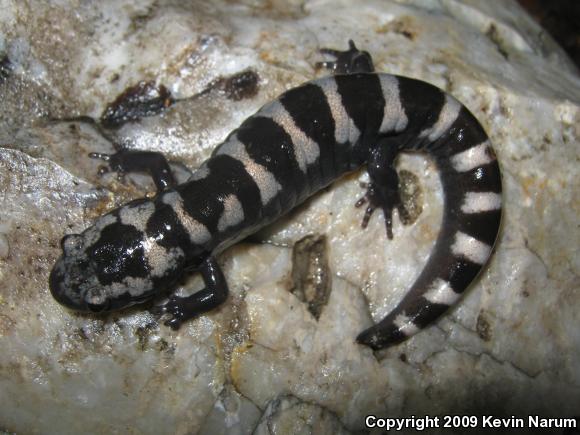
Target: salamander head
{"type": "Point", "coordinates": [114, 264]}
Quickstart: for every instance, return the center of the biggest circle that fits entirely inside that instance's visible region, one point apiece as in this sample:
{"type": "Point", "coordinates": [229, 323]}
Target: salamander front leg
{"type": "Point", "coordinates": [151, 162]}
{"type": "Point", "coordinates": [214, 294]}
{"type": "Point", "coordinates": [348, 61]}
{"type": "Point", "coordinates": [383, 189]}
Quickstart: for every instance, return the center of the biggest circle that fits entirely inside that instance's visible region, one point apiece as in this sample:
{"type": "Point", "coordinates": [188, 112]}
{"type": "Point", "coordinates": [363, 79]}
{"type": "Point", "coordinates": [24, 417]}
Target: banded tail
{"type": "Point", "coordinates": [471, 181]}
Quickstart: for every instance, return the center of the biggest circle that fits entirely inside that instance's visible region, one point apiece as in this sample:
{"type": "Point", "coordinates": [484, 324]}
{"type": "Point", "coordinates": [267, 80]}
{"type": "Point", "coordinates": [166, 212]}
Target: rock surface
{"type": "Point", "coordinates": [264, 362]}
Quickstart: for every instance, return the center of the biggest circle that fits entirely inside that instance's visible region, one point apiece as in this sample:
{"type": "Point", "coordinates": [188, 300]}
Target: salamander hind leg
{"type": "Point", "coordinates": [349, 61]}
{"type": "Point", "coordinates": [383, 189]}
{"type": "Point", "coordinates": [181, 309]}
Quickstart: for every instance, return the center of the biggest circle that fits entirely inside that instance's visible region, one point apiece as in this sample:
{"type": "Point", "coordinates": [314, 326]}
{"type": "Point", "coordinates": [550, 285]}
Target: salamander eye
{"type": "Point", "coordinates": [140, 299]}
{"type": "Point", "coordinates": [70, 242]}
{"type": "Point", "coordinates": [99, 308]}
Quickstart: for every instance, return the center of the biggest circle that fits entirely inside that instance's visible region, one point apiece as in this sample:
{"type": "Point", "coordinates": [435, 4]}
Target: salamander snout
{"type": "Point", "coordinates": [59, 288]}
{"type": "Point", "coordinates": [72, 280]}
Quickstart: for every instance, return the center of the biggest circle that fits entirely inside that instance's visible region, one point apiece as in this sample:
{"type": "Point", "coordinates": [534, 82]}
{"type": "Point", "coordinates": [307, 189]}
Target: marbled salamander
{"type": "Point", "coordinates": [286, 152]}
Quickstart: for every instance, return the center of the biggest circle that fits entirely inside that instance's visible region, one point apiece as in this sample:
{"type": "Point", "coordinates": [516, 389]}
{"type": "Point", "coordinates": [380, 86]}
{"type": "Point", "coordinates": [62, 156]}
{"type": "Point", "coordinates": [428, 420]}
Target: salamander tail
{"type": "Point", "coordinates": [471, 183]}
